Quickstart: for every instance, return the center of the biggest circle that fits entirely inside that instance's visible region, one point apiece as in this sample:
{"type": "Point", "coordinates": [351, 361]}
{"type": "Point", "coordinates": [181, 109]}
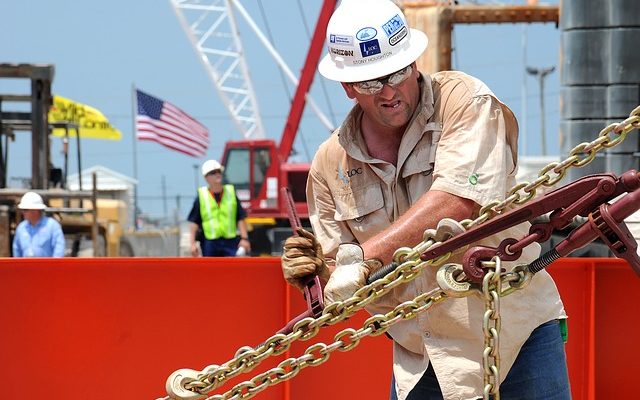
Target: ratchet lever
{"type": "Point", "coordinates": [313, 288]}
{"type": "Point", "coordinates": [607, 223]}
{"type": "Point", "coordinates": [315, 304]}
{"type": "Point", "coordinates": [577, 198]}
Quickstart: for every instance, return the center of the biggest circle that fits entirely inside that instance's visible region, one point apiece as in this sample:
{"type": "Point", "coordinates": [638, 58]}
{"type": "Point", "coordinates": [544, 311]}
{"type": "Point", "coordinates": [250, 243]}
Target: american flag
{"type": "Point", "coordinates": [162, 122]}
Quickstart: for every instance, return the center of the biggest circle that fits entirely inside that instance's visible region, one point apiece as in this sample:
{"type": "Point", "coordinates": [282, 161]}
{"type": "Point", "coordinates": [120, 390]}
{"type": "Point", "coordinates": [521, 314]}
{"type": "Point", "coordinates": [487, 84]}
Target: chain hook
{"type": "Point", "coordinates": [176, 385]}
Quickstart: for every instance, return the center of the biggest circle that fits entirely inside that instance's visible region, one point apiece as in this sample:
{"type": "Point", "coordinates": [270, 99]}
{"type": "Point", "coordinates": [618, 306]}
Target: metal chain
{"type": "Point", "coordinates": [409, 268]}
{"type": "Point", "coordinates": [349, 338]}
{"type": "Point", "coordinates": [248, 358]}
{"type": "Point", "coordinates": [552, 173]}
{"type": "Point", "coordinates": [344, 340]}
{"type": "Point", "coordinates": [491, 289]}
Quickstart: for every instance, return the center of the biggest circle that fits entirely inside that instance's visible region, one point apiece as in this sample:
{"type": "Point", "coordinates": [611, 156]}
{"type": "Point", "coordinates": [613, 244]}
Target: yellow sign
{"type": "Point", "coordinates": [91, 122]}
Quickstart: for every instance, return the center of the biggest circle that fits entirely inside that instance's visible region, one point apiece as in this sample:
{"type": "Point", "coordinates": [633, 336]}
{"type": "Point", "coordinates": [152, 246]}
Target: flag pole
{"type": "Point", "coordinates": [134, 113]}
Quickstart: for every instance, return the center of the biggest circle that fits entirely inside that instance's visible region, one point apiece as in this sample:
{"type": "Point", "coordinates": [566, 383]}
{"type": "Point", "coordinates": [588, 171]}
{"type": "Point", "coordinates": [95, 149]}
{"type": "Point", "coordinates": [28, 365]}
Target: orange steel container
{"type": "Point", "coordinates": [116, 328]}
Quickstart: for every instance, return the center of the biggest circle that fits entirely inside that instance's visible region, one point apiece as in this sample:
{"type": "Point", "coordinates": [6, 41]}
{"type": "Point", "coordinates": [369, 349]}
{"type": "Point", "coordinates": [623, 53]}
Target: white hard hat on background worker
{"type": "Point", "coordinates": [211, 165]}
{"type": "Point", "coordinates": [31, 201]}
{"type": "Point", "coordinates": [369, 39]}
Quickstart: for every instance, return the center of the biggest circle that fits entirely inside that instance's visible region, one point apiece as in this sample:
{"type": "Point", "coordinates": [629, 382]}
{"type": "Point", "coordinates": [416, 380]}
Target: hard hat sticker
{"type": "Point", "coordinates": [341, 39]}
{"type": "Point", "coordinates": [366, 34]}
{"type": "Point", "coordinates": [341, 52]}
{"type": "Point", "coordinates": [370, 48]}
{"type": "Point", "coordinates": [398, 36]}
{"type": "Point", "coordinates": [393, 25]}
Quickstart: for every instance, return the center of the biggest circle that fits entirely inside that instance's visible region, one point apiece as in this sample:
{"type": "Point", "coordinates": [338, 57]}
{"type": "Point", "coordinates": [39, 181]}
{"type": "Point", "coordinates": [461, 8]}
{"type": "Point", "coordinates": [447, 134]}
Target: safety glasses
{"type": "Point", "coordinates": [375, 86]}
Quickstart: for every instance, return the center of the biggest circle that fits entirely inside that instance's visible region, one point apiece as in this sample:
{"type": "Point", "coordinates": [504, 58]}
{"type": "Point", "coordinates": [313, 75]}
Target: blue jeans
{"type": "Point", "coordinates": [539, 372]}
{"type": "Point", "coordinates": [220, 247]}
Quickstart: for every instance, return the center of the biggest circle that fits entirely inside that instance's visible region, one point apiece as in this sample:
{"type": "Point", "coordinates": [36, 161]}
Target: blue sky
{"type": "Point", "coordinates": [101, 48]}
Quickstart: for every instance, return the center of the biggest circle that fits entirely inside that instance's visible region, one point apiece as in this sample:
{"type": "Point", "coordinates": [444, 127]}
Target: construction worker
{"type": "Point", "coordinates": [217, 212]}
{"type": "Point", "coordinates": [415, 149]}
{"type": "Point", "coordinates": [37, 235]}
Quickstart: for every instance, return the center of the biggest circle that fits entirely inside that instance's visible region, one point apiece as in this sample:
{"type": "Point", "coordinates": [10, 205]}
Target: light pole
{"type": "Point", "coordinates": [541, 73]}
{"type": "Point", "coordinates": [195, 175]}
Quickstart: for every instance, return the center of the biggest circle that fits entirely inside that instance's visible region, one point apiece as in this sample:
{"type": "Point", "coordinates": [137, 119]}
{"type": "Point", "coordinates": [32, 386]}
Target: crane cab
{"type": "Point", "coordinates": [258, 173]}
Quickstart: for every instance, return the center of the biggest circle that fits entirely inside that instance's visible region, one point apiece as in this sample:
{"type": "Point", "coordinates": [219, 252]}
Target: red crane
{"type": "Point", "coordinates": [260, 168]}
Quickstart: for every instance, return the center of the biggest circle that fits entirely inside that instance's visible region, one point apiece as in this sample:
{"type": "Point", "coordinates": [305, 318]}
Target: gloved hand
{"type": "Point", "coordinates": [351, 273]}
{"type": "Point", "coordinates": [302, 256]}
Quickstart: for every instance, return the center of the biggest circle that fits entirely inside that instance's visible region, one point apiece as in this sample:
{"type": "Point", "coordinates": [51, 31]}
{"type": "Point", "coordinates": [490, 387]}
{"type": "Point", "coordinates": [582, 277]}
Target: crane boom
{"type": "Point", "coordinates": [258, 168]}
{"type": "Point", "coordinates": [212, 30]}
{"type": "Point", "coordinates": [306, 78]}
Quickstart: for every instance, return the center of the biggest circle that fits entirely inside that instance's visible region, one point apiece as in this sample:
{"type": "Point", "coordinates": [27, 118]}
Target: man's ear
{"type": "Point", "coordinates": [348, 89]}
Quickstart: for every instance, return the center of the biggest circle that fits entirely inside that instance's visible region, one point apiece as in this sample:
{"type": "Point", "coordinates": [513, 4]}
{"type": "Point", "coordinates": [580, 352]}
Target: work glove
{"type": "Point", "coordinates": [301, 257]}
{"type": "Point", "coordinates": [352, 270]}
{"type": "Point", "coordinates": [350, 274]}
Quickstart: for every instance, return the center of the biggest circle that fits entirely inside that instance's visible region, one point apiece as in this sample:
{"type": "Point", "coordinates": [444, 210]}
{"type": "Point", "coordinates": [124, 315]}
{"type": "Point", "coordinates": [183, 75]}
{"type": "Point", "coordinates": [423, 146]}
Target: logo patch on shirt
{"type": "Point", "coordinates": [345, 177]}
{"type": "Point", "coordinates": [473, 179]}
{"type": "Point", "coordinates": [370, 48]}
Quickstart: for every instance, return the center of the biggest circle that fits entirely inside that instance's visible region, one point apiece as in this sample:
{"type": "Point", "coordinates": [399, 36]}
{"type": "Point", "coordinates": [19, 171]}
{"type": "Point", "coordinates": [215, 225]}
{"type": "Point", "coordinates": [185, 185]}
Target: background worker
{"type": "Point", "coordinates": [37, 235]}
{"type": "Point", "coordinates": [219, 214]}
{"type": "Point", "coordinates": [413, 150]}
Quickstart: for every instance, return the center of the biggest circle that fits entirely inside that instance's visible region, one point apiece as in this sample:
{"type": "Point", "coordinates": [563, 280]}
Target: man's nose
{"type": "Point", "coordinates": [387, 92]}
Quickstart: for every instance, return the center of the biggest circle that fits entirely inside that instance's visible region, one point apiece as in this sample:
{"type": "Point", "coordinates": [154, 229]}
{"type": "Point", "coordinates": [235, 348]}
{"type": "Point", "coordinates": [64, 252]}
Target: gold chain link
{"type": "Point", "coordinates": [491, 290]}
{"type": "Point", "coordinates": [344, 340]}
{"type": "Point", "coordinates": [579, 156]}
{"type": "Point", "coordinates": [410, 266]}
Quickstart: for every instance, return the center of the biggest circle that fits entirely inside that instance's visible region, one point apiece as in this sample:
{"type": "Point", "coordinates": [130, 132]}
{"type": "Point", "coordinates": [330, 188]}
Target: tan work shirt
{"type": "Point", "coordinates": [463, 141]}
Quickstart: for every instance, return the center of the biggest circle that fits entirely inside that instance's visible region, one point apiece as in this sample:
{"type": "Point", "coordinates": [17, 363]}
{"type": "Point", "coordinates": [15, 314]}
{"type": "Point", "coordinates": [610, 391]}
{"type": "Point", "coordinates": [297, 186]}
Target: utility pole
{"type": "Point", "coordinates": [195, 175]}
{"type": "Point", "coordinates": [541, 73]}
{"type": "Point", "coordinates": [164, 199]}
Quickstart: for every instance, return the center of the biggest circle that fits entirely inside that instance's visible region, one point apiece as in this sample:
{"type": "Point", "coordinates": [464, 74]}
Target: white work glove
{"type": "Point", "coordinates": [351, 273]}
{"type": "Point", "coordinates": [352, 270]}
{"type": "Point", "coordinates": [302, 256]}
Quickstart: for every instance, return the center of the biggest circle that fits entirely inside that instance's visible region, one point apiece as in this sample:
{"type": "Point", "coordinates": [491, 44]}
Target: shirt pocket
{"type": "Point", "coordinates": [418, 169]}
{"type": "Point", "coordinates": [358, 207]}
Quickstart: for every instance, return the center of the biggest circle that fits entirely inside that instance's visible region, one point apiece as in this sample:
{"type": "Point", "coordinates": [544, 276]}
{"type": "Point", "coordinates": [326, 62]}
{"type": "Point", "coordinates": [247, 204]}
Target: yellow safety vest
{"type": "Point", "coordinates": [218, 220]}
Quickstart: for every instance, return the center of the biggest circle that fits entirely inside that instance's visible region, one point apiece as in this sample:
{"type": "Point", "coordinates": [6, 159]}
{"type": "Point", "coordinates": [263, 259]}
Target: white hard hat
{"type": "Point", "coordinates": [369, 39]}
{"type": "Point", "coordinates": [31, 201]}
{"type": "Point", "coordinates": [211, 165]}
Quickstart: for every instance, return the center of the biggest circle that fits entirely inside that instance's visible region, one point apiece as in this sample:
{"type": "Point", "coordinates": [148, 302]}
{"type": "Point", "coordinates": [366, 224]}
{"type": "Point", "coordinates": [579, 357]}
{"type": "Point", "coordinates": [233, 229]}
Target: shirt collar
{"type": "Point", "coordinates": [41, 223]}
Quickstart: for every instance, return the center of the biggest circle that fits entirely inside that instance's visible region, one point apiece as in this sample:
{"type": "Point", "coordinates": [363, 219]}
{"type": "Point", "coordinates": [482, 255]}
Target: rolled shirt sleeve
{"type": "Point", "coordinates": [476, 157]}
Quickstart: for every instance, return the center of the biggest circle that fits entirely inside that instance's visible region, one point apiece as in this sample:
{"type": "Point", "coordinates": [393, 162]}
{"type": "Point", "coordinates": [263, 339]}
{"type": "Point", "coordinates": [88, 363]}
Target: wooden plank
{"type": "Point", "coordinates": [497, 14]}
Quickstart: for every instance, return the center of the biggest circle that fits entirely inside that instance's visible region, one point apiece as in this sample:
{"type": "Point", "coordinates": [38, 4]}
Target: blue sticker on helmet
{"type": "Point", "coordinates": [393, 25]}
{"type": "Point", "coordinates": [370, 48]}
{"type": "Point", "coordinates": [366, 34]}
{"type": "Point", "coordinates": [341, 39]}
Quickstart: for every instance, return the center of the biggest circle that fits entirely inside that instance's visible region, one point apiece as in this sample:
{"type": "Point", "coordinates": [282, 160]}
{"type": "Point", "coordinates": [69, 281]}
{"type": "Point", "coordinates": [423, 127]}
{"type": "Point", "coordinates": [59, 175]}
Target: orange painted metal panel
{"type": "Point", "coordinates": [575, 281]}
{"type": "Point", "coordinates": [116, 328]}
{"type": "Point", "coordinates": [601, 296]}
{"type": "Point", "coordinates": [617, 329]}
{"type": "Point", "coordinates": [362, 373]}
